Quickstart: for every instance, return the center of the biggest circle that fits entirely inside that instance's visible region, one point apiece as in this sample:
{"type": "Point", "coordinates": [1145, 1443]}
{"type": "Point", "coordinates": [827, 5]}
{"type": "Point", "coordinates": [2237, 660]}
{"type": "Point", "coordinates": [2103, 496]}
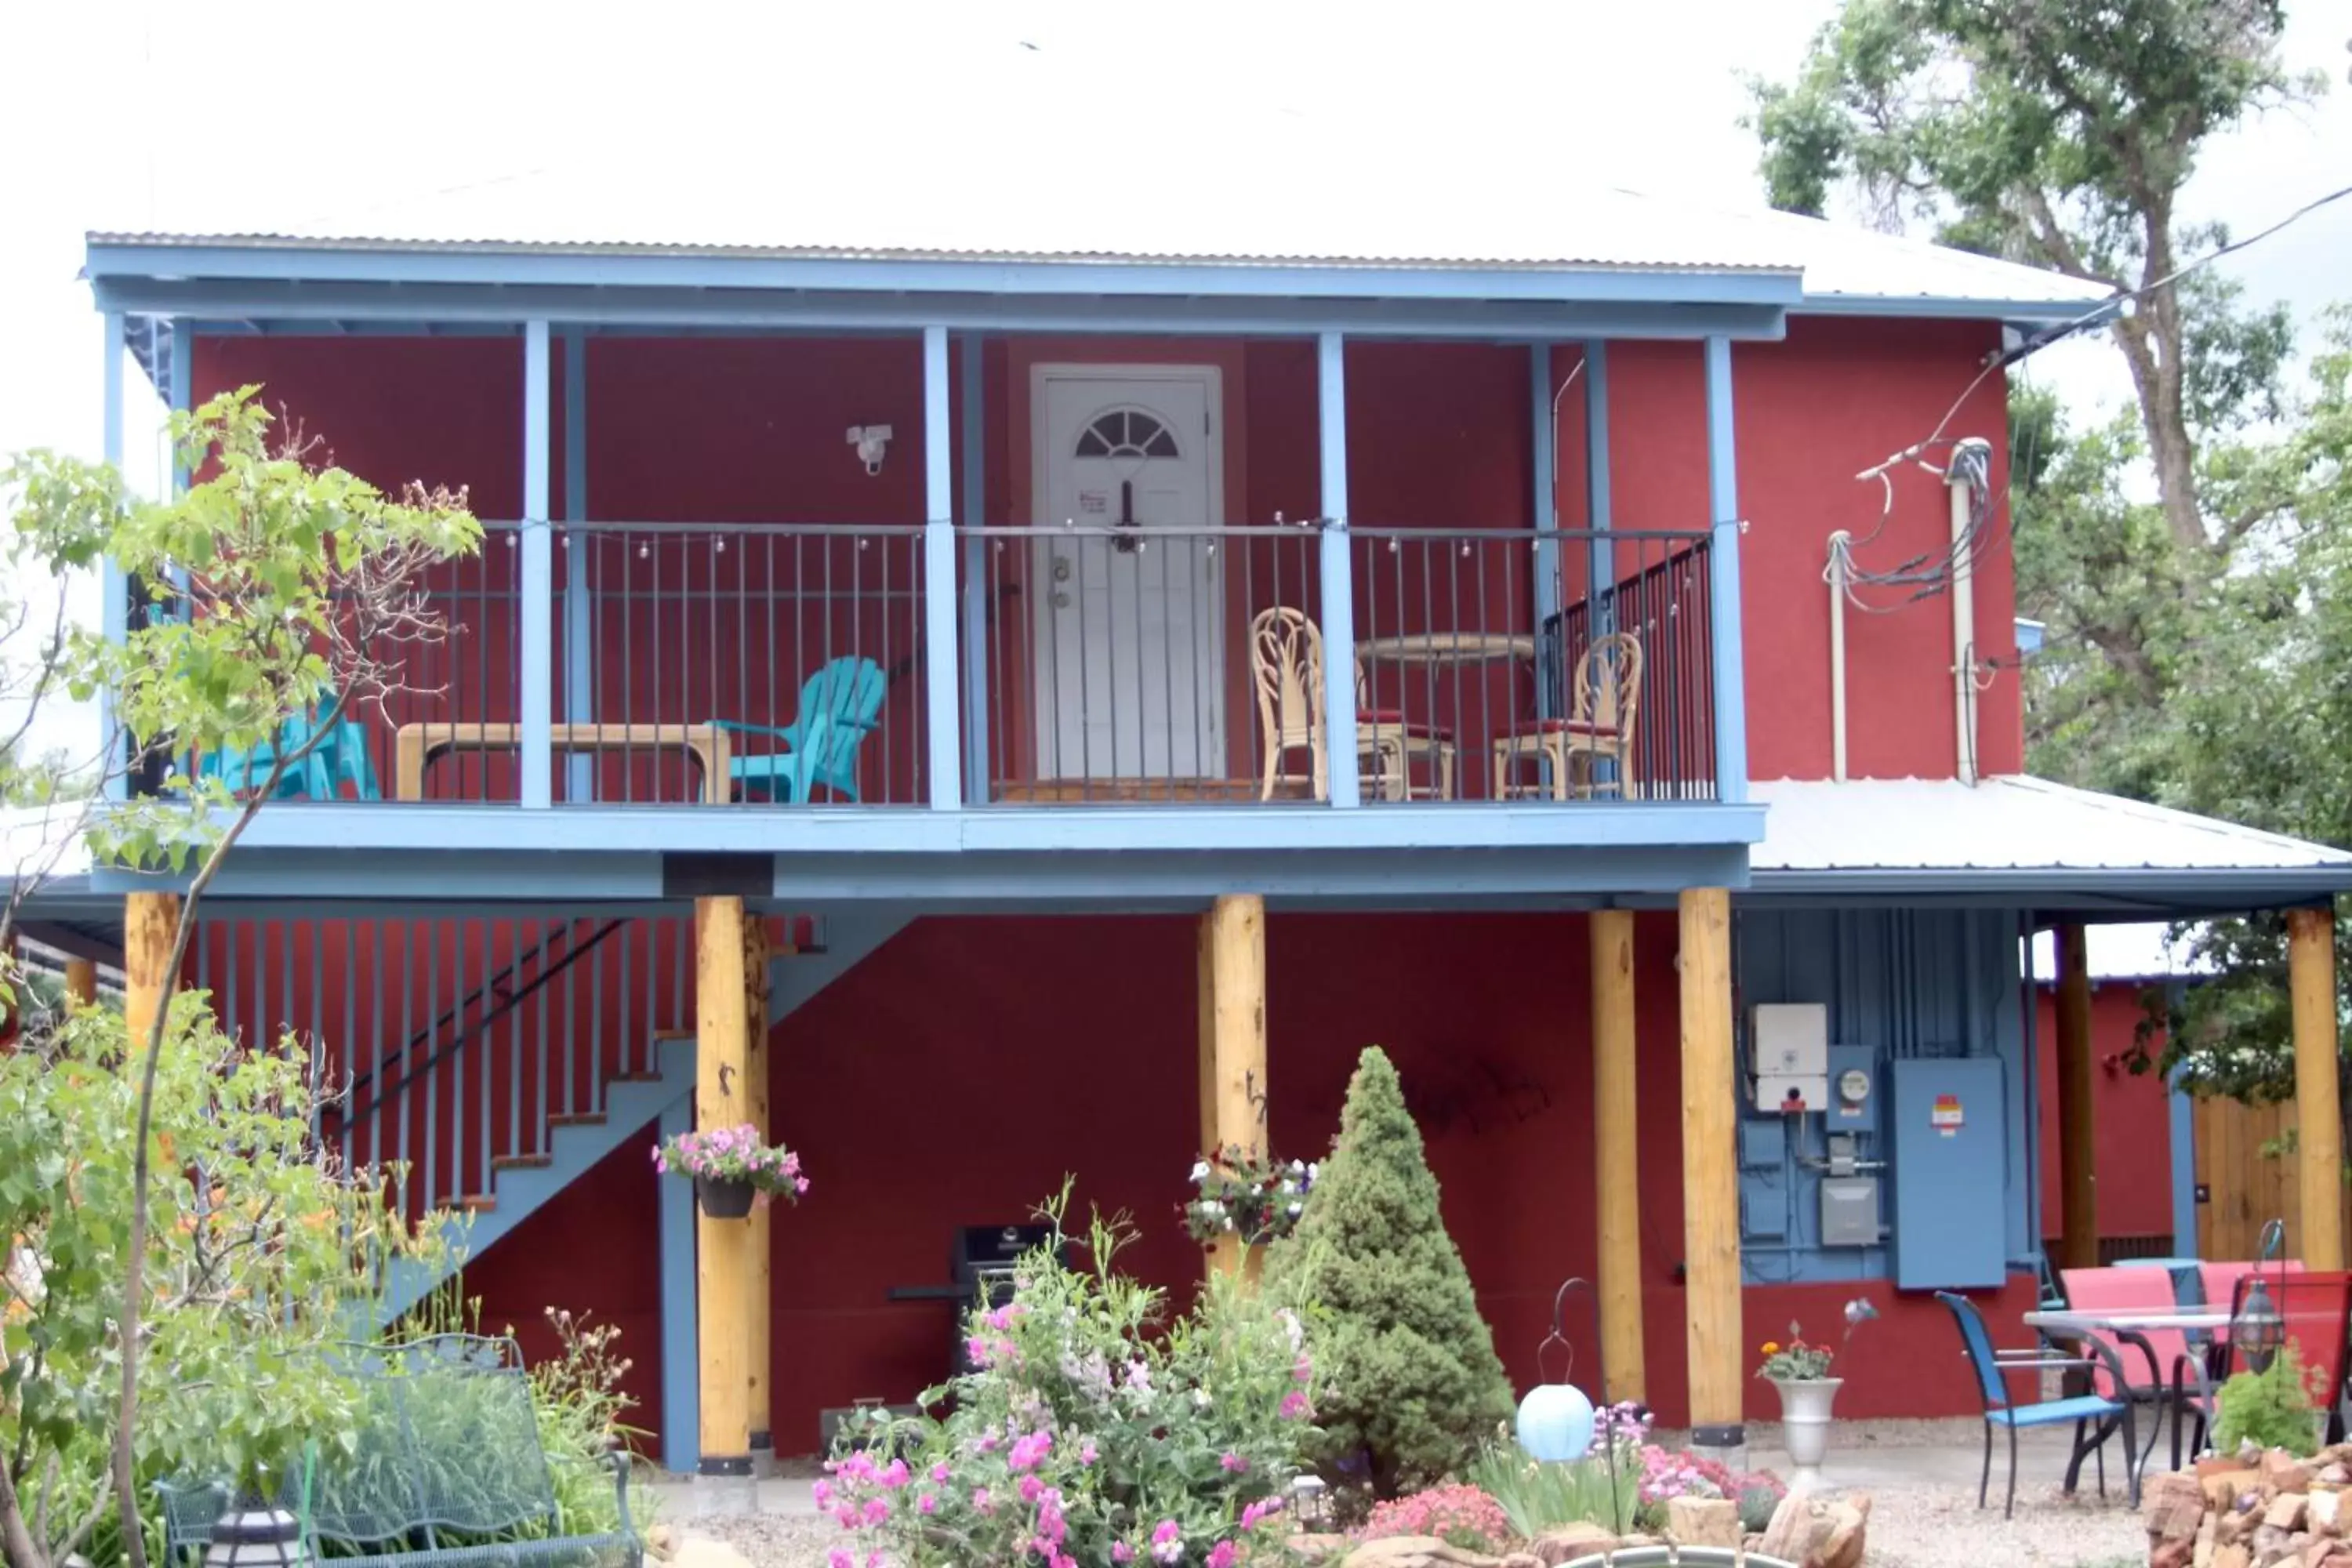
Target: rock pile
{"type": "Point", "coordinates": [1811, 1532]}
{"type": "Point", "coordinates": [2254, 1510]}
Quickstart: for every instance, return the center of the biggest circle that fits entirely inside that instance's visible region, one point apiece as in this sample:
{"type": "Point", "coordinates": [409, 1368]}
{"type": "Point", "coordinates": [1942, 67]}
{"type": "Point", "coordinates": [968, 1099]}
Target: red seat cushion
{"type": "Point", "coordinates": [1394, 719]}
{"type": "Point", "coordinates": [1575, 727]}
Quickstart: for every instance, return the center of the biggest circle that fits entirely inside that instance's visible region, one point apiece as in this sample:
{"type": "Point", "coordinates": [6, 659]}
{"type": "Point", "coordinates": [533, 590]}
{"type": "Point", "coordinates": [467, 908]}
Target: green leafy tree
{"type": "Point", "coordinates": [2058, 132]}
{"type": "Point", "coordinates": [1415, 1383]}
{"type": "Point", "coordinates": [270, 589]}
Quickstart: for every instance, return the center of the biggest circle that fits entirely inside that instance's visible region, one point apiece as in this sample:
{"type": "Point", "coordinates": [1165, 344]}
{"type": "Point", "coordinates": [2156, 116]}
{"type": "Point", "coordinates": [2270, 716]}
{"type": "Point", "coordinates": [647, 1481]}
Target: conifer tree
{"type": "Point", "coordinates": [1412, 1378]}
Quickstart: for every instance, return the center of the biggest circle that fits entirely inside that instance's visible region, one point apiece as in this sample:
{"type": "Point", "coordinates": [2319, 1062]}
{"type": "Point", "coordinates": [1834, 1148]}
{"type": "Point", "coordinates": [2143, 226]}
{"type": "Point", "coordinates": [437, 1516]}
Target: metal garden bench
{"type": "Point", "coordinates": [447, 1471]}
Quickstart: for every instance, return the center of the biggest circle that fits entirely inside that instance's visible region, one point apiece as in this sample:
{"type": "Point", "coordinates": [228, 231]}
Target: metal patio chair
{"type": "Point", "coordinates": [2316, 1310]}
{"type": "Point", "coordinates": [840, 706]}
{"type": "Point", "coordinates": [2094, 1418]}
{"type": "Point", "coordinates": [340, 757]}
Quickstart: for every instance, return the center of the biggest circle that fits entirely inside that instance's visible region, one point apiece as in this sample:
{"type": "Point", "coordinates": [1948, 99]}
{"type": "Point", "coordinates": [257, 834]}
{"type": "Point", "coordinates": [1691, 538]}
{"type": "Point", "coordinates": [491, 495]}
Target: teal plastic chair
{"type": "Point", "coordinates": [341, 757]}
{"type": "Point", "coordinates": [840, 706]}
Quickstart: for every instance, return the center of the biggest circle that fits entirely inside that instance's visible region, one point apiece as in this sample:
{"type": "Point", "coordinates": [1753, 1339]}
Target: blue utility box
{"type": "Point", "coordinates": [1943, 1131]}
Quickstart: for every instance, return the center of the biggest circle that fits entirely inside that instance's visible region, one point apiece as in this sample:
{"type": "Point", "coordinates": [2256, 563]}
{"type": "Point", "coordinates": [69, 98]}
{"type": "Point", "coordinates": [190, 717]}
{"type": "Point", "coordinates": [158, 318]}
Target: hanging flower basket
{"type": "Point", "coordinates": [723, 1198]}
{"type": "Point", "coordinates": [1239, 1194]}
{"type": "Point", "coordinates": [732, 1169]}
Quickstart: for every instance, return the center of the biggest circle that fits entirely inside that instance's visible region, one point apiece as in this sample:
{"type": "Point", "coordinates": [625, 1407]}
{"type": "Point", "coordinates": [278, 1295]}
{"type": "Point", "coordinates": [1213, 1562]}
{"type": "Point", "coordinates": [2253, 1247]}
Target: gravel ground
{"type": "Point", "coordinates": [772, 1540]}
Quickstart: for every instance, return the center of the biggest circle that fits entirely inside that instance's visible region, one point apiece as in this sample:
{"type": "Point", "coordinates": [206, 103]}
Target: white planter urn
{"type": "Point", "coordinates": [1805, 1424]}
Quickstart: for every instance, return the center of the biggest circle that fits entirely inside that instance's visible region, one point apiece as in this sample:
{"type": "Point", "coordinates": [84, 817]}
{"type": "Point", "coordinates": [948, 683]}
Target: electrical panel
{"type": "Point", "coordinates": [1850, 1211]}
{"type": "Point", "coordinates": [1789, 1043]}
{"type": "Point", "coordinates": [1763, 1145]}
{"type": "Point", "coordinates": [1947, 1145]}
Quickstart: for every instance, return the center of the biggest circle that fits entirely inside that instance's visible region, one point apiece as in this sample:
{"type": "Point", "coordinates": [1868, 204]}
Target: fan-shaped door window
{"type": "Point", "coordinates": [1127, 433]}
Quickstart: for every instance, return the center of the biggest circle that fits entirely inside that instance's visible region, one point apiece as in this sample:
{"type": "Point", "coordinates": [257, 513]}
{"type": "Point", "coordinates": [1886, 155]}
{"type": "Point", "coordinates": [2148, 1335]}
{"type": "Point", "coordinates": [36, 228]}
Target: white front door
{"type": "Point", "coordinates": [1130, 620]}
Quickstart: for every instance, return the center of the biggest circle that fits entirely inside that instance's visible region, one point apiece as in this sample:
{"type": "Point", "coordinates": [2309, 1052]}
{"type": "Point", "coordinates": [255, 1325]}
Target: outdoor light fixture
{"type": "Point", "coordinates": [872, 442]}
{"type": "Point", "coordinates": [2258, 1330]}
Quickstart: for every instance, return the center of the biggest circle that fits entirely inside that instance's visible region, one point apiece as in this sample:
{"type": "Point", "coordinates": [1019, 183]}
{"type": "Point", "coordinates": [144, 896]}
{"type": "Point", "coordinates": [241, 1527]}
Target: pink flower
{"type": "Point", "coordinates": [1120, 1552]}
{"type": "Point", "coordinates": [1167, 1541]}
{"type": "Point", "coordinates": [927, 1504]}
{"type": "Point", "coordinates": [822, 1494]}
{"type": "Point", "coordinates": [896, 1476]}
{"type": "Point", "coordinates": [1295, 1406]}
{"type": "Point", "coordinates": [1087, 1454]}
{"type": "Point", "coordinates": [1031, 1489]}
{"type": "Point", "coordinates": [940, 1473]}
{"type": "Point", "coordinates": [1233, 1462]}
{"type": "Point", "coordinates": [877, 1512]}
{"type": "Point", "coordinates": [1028, 1452]}
{"type": "Point", "coordinates": [1223, 1553]}
{"type": "Point", "coordinates": [981, 1500]}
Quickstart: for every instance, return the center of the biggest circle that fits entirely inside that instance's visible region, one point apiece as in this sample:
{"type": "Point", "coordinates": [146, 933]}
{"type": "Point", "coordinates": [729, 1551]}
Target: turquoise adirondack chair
{"type": "Point", "coordinates": [840, 706]}
{"type": "Point", "coordinates": [341, 757]}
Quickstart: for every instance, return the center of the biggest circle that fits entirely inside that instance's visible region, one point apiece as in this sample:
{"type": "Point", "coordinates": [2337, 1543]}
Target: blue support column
{"type": "Point", "coordinates": [680, 1350]}
{"type": "Point", "coordinates": [1600, 573]}
{"type": "Point", "coordinates": [535, 709]}
{"type": "Point", "coordinates": [2182, 1123]}
{"type": "Point", "coordinates": [579, 602]}
{"type": "Point", "coordinates": [114, 587]}
{"type": "Point", "coordinates": [182, 379]}
{"type": "Point", "coordinates": [940, 687]}
{"type": "Point", "coordinates": [1543, 503]}
{"type": "Point", "coordinates": [976, 606]}
{"type": "Point", "coordinates": [1338, 572]}
{"type": "Point", "coordinates": [1723, 508]}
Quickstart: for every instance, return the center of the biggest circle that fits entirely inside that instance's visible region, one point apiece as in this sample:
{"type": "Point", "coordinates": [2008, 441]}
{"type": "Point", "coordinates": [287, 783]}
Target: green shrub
{"type": "Point", "coordinates": [2271, 1409]}
{"type": "Point", "coordinates": [1414, 1380]}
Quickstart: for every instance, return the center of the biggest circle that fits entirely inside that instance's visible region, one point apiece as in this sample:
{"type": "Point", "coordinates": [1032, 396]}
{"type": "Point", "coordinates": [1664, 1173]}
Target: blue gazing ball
{"type": "Point", "coordinates": [1555, 1422]}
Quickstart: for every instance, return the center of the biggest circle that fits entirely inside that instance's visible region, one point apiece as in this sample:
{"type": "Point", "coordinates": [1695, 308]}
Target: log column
{"type": "Point", "coordinates": [2319, 1115]}
{"type": "Point", "coordinates": [1710, 1179]}
{"type": "Point", "coordinates": [81, 982]}
{"type": "Point", "coordinates": [724, 1303]}
{"type": "Point", "coordinates": [755, 1078]}
{"type": "Point", "coordinates": [148, 922]}
{"type": "Point", "coordinates": [1232, 1044]}
{"type": "Point", "coordinates": [2078, 1192]}
{"type": "Point", "coordinates": [1616, 1167]}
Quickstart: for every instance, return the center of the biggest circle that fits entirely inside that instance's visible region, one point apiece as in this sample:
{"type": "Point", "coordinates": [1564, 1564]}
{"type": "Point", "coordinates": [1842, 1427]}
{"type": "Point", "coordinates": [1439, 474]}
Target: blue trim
{"type": "Point", "coordinates": [976, 608]}
{"type": "Point", "coordinates": [336, 307]}
{"type": "Point", "coordinates": [1601, 565]}
{"type": "Point", "coordinates": [2182, 1125]}
{"type": "Point", "coordinates": [181, 374]}
{"type": "Point", "coordinates": [680, 1345]}
{"type": "Point", "coordinates": [535, 708]}
{"type": "Point", "coordinates": [114, 584]}
{"type": "Point", "coordinates": [1723, 568]}
{"type": "Point", "coordinates": [512, 268]}
{"type": "Point", "coordinates": [2116, 894]}
{"type": "Point", "coordinates": [942, 691]}
{"type": "Point", "coordinates": [1338, 609]}
{"type": "Point", "coordinates": [1543, 486]}
{"type": "Point", "coordinates": [2040, 311]}
{"type": "Point", "coordinates": [579, 598]}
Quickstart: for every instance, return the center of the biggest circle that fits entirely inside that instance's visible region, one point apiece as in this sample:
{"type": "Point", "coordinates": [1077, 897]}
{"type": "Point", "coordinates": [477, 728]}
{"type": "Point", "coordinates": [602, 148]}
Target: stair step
{"type": "Point", "coordinates": [480, 1203]}
{"type": "Point", "coordinates": [633, 1078]}
{"type": "Point", "coordinates": [521, 1163]}
{"type": "Point", "coordinates": [577, 1118]}
{"type": "Point", "coordinates": [660, 1035]}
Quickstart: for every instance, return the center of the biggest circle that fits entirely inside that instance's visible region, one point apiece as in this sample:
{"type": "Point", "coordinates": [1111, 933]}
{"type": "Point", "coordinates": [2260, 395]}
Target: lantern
{"type": "Point", "coordinates": [257, 1536]}
{"type": "Point", "coordinates": [1555, 1422]}
{"type": "Point", "coordinates": [2259, 1330]}
{"type": "Point", "coordinates": [1556, 1419]}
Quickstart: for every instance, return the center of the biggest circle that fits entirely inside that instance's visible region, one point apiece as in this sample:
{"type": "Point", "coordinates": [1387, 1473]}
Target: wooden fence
{"type": "Point", "coordinates": [2240, 1188]}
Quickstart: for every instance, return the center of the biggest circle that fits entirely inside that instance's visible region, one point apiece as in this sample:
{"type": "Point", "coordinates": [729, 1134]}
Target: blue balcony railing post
{"type": "Point", "coordinates": [535, 706]}
{"type": "Point", "coordinates": [114, 588]}
{"type": "Point", "coordinates": [943, 715]}
{"type": "Point", "coordinates": [1338, 574]}
{"type": "Point", "coordinates": [1723, 575]}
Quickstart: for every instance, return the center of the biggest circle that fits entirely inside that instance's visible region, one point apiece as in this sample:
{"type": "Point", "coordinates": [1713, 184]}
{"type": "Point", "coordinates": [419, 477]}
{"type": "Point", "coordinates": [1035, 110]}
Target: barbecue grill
{"type": "Point", "coordinates": [981, 1269]}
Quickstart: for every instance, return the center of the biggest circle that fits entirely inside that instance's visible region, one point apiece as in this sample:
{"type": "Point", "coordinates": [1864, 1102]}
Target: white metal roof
{"type": "Point", "coordinates": [972, 203]}
{"type": "Point", "coordinates": [2006, 823]}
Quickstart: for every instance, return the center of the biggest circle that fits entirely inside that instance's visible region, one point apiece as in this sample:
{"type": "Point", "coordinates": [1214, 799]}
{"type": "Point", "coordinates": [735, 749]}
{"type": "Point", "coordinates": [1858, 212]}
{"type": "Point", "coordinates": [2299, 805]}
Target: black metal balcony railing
{"type": "Point", "coordinates": [788, 664]}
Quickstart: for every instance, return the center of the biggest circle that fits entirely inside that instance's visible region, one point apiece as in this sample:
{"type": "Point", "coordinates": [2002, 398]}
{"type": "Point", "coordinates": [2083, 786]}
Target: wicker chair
{"type": "Point", "coordinates": [1286, 667]}
{"type": "Point", "coordinates": [1604, 702]}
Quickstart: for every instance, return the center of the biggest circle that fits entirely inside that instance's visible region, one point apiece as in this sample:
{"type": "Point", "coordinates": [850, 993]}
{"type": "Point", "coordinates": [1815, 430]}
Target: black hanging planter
{"type": "Point", "coordinates": [723, 1199]}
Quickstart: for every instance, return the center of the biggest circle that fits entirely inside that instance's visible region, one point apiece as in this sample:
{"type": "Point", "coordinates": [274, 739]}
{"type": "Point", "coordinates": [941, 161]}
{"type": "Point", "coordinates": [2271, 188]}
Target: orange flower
{"type": "Point", "coordinates": [1771, 1347]}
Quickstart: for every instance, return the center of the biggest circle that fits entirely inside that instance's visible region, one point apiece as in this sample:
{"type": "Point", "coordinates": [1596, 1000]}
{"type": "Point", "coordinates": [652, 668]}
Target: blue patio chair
{"type": "Point", "coordinates": [840, 706]}
{"type": "Point", "coordinates": [2093, 1417]}
{"type": "Point", "coordinates": [340, 757]}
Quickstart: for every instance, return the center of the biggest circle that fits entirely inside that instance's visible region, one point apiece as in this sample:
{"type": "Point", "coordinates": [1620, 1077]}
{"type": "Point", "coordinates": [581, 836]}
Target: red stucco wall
{"type": "Point", "coordinates": [2132, 1117]}
{"type": "Point", "coordinates": [719, 430]}
{"type": "Point", "coordinates": [1070, 1051]}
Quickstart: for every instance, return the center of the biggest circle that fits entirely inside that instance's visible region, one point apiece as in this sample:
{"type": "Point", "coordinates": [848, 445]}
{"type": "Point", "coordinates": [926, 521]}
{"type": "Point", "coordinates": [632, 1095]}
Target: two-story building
{"type": "Point", "coordinates": [1041, 696]}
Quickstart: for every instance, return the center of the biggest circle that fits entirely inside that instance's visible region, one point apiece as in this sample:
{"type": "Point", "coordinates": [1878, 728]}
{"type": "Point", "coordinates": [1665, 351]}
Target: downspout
{"type": "Point", "coordinates": [1836, 576]}
{"type": "Point", "coordinates": [1971, 466]}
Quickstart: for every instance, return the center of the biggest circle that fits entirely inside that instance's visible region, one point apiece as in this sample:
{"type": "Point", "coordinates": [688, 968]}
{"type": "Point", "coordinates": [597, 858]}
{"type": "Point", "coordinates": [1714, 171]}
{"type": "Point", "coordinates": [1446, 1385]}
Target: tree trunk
{"type": "Point", "coordinates": [2150, 340]}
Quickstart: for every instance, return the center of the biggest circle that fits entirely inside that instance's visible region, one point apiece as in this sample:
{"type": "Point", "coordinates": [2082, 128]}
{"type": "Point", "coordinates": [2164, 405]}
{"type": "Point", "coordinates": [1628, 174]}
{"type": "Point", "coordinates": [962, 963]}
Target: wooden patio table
{"type": "Point", "coordinates": [415, 745]}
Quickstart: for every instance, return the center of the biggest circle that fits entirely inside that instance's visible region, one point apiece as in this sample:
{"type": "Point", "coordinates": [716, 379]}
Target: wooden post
{"type": "Point", "coordinates": [81, 982]}
{"type": "Point", "coordinates": [148, 922]}
{"type": "Point", "coordinates": [1616, 1142]}
{"type": "Point", "coordinates": [1233, 1043]}
{"type": "Point", "coordinates": [2078, 1193]}
{"type": "Point", "coordinates": [723, 1273]}
{"type": "Point", "coordinates": [2319, 1115]}
{"type": "Point", "coordinates": [1710, 1180]}
{"type": "Point", "coordinates": [755, 1079]}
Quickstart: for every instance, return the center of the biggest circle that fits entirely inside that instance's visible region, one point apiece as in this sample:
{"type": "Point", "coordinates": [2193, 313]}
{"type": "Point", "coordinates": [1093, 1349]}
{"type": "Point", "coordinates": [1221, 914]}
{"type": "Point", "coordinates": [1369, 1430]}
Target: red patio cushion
{"type": "Point", "coordinates": [1574, 727]}
{"type": "Point", "coordinates": [1394, 719]}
